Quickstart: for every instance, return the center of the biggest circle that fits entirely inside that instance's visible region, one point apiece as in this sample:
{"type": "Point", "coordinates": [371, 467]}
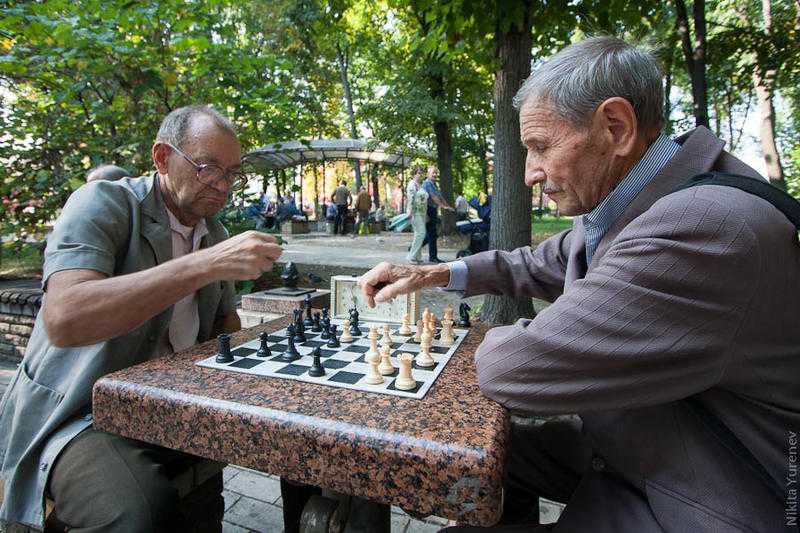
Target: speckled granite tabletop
{"type": "Point", "coordinates": [442, 455]}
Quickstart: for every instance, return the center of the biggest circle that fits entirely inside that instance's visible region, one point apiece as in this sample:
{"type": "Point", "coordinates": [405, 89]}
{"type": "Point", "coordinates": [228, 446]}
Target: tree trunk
{"type": "Point", "coordinates": [376, 189]}
{"type": "Point", "coordinates": [341, 55]}
{"type": "Point", "coordinates": [764, 80]}
{"type": "Point", "coordinates": [444, 150]}
{"type": "Point", "coordinates": [670, 54]}
{"type": "Point", "coordinates": [484, 163]}
{"type": "Point", "coordinates": [695, 57]}
{"type": "Point", "coordinates": [511, 200]}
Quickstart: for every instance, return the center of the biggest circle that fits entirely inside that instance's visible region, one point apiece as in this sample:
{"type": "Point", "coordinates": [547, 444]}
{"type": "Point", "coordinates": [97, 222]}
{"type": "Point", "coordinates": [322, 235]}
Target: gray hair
{"type": "Point", "coordinates": [583, 75]}
{"type": "Point", "coordinates": [175, 126]}
{"type": "Point", "coordinates": [107, 173]}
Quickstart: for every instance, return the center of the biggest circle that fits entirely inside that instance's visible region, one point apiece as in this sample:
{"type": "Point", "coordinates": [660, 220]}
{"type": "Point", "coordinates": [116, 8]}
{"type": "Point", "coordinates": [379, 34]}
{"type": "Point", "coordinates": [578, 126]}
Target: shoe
{"type": "Point", "coordinates": [437, 260]}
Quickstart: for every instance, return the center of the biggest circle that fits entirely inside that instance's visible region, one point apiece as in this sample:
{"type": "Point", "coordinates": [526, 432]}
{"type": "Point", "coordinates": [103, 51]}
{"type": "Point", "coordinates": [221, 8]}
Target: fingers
{"type": "Point", "coordinates": [369, 282]}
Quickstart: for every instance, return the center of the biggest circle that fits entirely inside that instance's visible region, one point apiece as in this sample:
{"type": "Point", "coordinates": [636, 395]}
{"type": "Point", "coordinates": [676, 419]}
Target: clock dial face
{"type": "Point", "coordinates": [348, 294]}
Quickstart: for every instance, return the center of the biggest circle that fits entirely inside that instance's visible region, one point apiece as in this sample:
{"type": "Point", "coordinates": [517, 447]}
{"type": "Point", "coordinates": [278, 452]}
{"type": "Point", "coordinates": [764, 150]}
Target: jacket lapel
{"type": "Point", "coordinates": [209, 295]}
{"type": "Point", "coordinates": [576, 261]}
{"type": "Point", "coordinates": [155, 223]}
{"type": "Point", "coordinates": [699, 150]}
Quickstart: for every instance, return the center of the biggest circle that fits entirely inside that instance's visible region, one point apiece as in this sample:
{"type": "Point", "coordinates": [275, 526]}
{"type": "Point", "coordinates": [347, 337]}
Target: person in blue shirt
{"type": "Point", "coordinates": [435, 200]}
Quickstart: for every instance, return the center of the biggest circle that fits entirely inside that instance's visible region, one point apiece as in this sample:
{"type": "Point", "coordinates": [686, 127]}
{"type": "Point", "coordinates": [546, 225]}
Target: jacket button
{"type": "Point", "coordinates": [43, 467]}
{"type": "Point", "coordinates": [598, 464]}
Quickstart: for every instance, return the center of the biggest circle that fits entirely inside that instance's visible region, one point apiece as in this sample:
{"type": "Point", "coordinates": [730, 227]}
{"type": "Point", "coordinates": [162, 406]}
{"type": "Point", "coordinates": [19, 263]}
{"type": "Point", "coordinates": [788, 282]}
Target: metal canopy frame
{"type": "Point", "coordinates": [287, 154]}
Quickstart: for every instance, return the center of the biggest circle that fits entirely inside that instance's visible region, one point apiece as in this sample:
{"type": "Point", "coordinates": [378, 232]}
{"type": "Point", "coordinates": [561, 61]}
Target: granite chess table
{"type": "Point", "coordinates": [442, 455]}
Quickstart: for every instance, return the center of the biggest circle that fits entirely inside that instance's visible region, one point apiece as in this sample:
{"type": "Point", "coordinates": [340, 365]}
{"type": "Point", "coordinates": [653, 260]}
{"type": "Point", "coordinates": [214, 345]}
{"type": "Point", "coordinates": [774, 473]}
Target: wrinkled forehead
{"type": "Point", "coordinates": [206, 139]}
{"type": "Point", "coordinates": [538, 116]}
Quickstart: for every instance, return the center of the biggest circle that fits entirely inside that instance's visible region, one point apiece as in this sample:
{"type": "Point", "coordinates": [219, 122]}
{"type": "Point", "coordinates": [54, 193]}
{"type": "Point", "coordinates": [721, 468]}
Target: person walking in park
{"type": "Point", "coordinates": [417, 209]}
{"type": "Point", "coordinates": [134, 269]}
{"type": "Point", "coordinates": [672, 330]}
{"type": "Point", "coordinates": [363, 205]}
{"type": "Point", "coordinates": [435, 201]}
{"type": "Point", "coordinates": [342, 199]}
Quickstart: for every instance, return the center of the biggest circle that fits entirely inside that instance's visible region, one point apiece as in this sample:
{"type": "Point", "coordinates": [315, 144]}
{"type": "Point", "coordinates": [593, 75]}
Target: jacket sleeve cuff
{"type": "Point", "coordinates": [458, 277]}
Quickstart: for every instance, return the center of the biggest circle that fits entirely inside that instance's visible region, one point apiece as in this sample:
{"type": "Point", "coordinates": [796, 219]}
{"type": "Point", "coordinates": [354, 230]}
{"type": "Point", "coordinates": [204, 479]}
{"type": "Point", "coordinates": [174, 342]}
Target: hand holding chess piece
{"type": "Point", "coordinates": [388, 280]}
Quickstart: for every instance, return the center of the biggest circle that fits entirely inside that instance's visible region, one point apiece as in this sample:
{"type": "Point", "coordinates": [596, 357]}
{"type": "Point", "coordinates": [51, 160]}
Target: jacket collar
{"type": "Point", "coordinates": [699, 150]}
{"type": "Point", "coordinates": [155, 222]}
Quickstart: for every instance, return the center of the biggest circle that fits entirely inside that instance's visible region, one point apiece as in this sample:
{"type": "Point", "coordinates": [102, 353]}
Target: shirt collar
{"type": "Point", "coordinates": [200, 229]}
{"type": "Point", "coordinates": [618, 200]}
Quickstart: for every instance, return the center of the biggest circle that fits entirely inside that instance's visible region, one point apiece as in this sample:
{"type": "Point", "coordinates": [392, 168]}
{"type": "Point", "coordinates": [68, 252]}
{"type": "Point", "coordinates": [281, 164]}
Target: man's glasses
{"type": "Point", "coordinates": [211, 174]}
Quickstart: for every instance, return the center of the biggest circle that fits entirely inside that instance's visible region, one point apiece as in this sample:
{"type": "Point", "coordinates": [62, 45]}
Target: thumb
{"type": "Point", "coordinates": [390, 291]}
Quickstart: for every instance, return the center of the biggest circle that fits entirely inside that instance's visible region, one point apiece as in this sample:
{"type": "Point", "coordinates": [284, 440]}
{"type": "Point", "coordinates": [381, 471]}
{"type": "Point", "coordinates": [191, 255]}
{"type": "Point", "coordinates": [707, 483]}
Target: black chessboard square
{"type": "Point", "coordinates": [280, 358]}
{"type": "Point", "coordinates": [411, 391]}
{"type": "Point", "coordinates": [335, 363]}
{"type": "Point", "coordinates": [439, 349]}
{"type": "Point", "coordinates": [356, 349]}
{"type": "Point", "coordinates": [327, 353]}
{"type": "Point", "coordinates": [314, 344]}
{"type": "Point", "coordinates": [310, 335]}
{"type": "Point", "coordinates": [350, 378]}
{"type": "Point", "coordinates": [276, 338]}
{"type": "Point", "coordinates": [279, 347]}
{"type": "Point", "coordinates": [242, 352]}
{"type": "Point", "coordinates": [246, 363]}
{"type": "Point", "coordinates": [293, 370]}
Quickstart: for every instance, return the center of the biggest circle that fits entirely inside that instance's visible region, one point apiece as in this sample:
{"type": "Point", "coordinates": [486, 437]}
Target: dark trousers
{"type": "Point", "coordinates": [547, 460]}
{"type": "Point", "coordinates": [338, 222]}
{"type": "Point", "coordinates": [431, 227]}
{"type": "Point", "coordinates": [107, 483]}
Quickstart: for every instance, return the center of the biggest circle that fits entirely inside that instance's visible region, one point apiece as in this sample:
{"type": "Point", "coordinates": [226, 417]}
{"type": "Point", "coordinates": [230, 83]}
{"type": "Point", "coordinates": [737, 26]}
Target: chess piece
{"type": "Point", "coordinates": [354, 329]}
{"type": "Point", "coordinates": [316, 370]}
{"type": "Point", "coordinates": [418, 333]}
{"type": "Point", "coordinates": [386, 368]}
{"type": "Point", "coordinates": [317, 327]}
{"type": "Point", "coordinates": [424, 358]}
{"type": "Point", "coordinates": [346, 337]}
{"type": "Point", "coordinates": [325, 314]}
{"type": "Point", "coordinates": [333, 342]}
{"type": "Point", "coordinates": [290, 275]}
{"type": "Point", "coordinates": [448, 312]}
{"type": "Point", "coordinates": [308, 321]}
{"type": "Point", "coordinates": [326, 328]}
{"type": "Point", "coordinates": [291, 353]}
{"type": "Point", "coordinates": [373, 345]}
{"type": "Point", "coordinates": [373, 374]}
{"type": "Point", "coordinates": [299, 329]}
{"type": "Point", "coordinates": [224, 353]}
{"type": "Point", "coordinates": [405, 328]}
{"type": "Point", "coordinates": [263, 349]}
{"type": "Point", "coordinates": [447, 339]}
{"type": "Point", "coordinates": [405, 381]}
{"type": "Point", "coordinates": [463, 313]}
{"type": "Point", "coordinates": [387, 336]}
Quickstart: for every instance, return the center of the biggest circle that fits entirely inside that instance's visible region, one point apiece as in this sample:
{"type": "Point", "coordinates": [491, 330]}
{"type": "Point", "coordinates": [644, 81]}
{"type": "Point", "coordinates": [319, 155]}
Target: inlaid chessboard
{"type": "Point", "coordinates": [344, 366]}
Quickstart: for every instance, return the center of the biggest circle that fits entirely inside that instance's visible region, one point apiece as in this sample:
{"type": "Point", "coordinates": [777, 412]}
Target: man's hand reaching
{"type": "Point", "coordinates": [388, 280]}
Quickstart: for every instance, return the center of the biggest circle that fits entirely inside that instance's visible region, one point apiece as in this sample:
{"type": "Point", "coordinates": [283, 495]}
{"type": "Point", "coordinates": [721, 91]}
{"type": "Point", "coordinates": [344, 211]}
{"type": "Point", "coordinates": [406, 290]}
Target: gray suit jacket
{"type": "Point", "coordinates": [693, 294]}
{"type": "Point", "coordinates": [115, 228]}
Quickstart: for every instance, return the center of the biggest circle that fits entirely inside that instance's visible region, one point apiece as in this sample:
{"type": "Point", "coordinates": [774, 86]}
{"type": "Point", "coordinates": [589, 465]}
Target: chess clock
{"type": "Point", "coordinates": [346, 294]}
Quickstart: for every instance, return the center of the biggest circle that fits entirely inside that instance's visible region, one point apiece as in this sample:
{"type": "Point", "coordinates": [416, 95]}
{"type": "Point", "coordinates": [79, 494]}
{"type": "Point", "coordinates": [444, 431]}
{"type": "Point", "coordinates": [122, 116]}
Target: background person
{"type": "Point", "coordinates": [363, 205]}
{"type": "Point", "coordinates": [435, 200]}
{"type": "Point", "coordinates": [417, 209]}
{"type": "Point", "coordinates": [342, 199]}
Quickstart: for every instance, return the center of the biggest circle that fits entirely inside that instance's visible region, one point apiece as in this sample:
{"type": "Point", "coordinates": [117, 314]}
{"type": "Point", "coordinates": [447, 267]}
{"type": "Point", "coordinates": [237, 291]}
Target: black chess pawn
{"type": "Point", "coordinates": [325, 313]}
{"type": "Point", "coordinates": [355, 331]}
{"type": "Point", "coordinates": [326, 329]}
{"type": "Point", "coordinates": [317, 327]}
{"type": "Point", "coordinates": [333, 342]}
{"type": "Point", "coordinates": [308, 322]}
{"type": "Point", "coordinates": [299, 332]}
{"type": "Point", "coordinates": [224, 353]}
{"type": "Point", "coordinates": [263, 350]}
{"type": "Point", "coordinates": [316, 370]}
{"type": "Point", "coordinates": [291, 352]}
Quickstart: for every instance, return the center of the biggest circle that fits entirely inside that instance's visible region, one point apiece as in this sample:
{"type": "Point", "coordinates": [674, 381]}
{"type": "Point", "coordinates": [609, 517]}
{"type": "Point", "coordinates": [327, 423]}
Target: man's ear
{"type": "Point", "coordinates": [616, 121]}
{"type": "Point", "coordinates": [160, 151]}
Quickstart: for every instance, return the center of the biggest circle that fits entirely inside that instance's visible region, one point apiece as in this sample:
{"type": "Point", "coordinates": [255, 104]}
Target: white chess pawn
{"type": "Point", "coordinates": [387, 336]}
{"type": "Point", "coordinates": [405, 381]}
{"type": "Point", "coordinates": [418, 333]}
{"type": "Point", "coordinates": [373, 352]}
{"type": "Point", "coordinates": [405, 328]}
{"type": "Point", "coordinates": [386, 368]}
{"type": "Point", "coordinates": [373, 375]}
{"type": "Point", "coordinates": [447, 339]}
{"type": "Point", "coordinates": [424, 358]}
{"type": "Point", "coordinates": [448, 312]}
{"type": "Point", "coordinates": [346, 337]}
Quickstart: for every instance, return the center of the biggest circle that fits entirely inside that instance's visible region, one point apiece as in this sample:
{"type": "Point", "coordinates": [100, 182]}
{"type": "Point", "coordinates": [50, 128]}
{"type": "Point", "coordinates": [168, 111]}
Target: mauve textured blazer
{"type": "Point", "coordinates": [678, 345]}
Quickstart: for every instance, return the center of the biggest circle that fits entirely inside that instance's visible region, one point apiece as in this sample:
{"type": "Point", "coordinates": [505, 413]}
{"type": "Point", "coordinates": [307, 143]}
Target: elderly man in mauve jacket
{"type": "Point", "coordinates": [673, 325]}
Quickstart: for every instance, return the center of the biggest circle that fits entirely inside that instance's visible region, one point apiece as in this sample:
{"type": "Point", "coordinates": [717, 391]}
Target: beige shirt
{"type": "Point", "coordinates": [185, 322]}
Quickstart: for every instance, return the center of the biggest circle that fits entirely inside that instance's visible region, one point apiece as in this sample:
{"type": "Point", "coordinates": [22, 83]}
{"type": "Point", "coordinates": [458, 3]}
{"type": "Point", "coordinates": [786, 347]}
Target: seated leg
{"type": "Point", "coordinates": [104, 482]}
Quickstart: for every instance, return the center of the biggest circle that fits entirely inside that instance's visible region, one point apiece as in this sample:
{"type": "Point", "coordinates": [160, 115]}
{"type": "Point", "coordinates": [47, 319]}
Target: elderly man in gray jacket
{"type": "Point", "coordinates": [673, 325]}
{"type": "Point", "coordinates": [134, 269]}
